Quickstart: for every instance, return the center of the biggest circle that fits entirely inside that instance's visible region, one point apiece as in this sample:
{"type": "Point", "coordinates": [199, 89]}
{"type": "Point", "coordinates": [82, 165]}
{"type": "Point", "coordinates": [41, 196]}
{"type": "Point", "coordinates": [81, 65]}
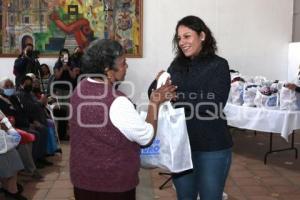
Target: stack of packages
{"type": "Point", "coordinates": [260, 92]}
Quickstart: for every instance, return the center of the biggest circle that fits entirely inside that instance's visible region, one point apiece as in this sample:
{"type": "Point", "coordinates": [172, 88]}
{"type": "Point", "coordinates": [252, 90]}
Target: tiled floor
{"type": "Point", "coordinates": [249, 178]}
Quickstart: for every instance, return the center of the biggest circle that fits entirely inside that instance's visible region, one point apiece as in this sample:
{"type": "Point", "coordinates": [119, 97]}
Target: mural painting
{"type": "Point", "coordinates": [55, 24]}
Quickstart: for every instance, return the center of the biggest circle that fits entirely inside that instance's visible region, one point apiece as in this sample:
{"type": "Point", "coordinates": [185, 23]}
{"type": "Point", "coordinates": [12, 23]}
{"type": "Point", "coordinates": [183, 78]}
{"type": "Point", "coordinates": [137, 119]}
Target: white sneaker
{"type": "Point", "coordinates": [225, 196]}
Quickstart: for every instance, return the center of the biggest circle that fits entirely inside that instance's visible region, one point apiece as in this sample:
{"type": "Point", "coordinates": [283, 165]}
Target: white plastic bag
{"type": "Point", "coordinates": [266, 101]}
{"type": "Point", "coordinates": [9, 140]}
{"type": "Point", "coordinates": [170, 149]}
{"type": "Point", "coordinates": [3, 144]}
{"type": "Point", "coordinates": [249, 94]}
{"type": "Point", "coordinates": [236, 92]}
{"type": "Point", "coordinates": [288, 99]}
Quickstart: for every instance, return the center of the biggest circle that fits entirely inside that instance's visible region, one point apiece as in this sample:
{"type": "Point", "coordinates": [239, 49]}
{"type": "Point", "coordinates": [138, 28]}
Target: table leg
{"type": "Point", "coordinates": [293, 145]}
{"type": "Point", "coordinates": [278, 150]}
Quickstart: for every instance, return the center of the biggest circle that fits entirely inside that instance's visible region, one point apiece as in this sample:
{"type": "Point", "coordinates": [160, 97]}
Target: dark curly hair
{"type": "Point", "coordinates": [209, 46]}
{"type": "Point", "coordinates": [101, 55]}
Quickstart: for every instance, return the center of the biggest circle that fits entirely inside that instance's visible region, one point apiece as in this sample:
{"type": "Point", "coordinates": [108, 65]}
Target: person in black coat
{"type": "Point", "coordinates": [26, 62]}
{"type": "Point", "coordinates": [203, 83]}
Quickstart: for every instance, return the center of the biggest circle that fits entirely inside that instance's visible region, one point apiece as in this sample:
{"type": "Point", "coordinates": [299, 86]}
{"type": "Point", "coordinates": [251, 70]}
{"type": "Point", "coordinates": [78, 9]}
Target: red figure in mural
{"type": "Point", "coordinates": [80, 28]}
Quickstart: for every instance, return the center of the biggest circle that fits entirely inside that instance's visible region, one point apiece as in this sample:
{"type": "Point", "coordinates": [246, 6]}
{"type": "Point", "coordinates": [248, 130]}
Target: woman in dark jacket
{"type": "Point", "coordinates": [203, 81]}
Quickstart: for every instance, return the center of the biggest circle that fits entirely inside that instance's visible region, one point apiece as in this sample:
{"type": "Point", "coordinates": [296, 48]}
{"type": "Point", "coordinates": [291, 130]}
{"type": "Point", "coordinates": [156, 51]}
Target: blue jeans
{"type": "Point", "coordinates": [207, 178]}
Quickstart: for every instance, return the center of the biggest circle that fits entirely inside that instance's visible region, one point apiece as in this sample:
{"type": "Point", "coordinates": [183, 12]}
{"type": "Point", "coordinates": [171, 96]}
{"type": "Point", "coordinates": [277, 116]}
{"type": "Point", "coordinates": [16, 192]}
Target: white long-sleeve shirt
{"type": "Point", "coordinates": [124, 117]}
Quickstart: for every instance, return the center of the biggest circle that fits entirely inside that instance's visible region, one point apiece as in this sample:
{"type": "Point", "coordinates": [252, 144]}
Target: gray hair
{"type": "Point", "coordinates": [3, 81]}
{"type": "Point", "coordinates": [101, 55]}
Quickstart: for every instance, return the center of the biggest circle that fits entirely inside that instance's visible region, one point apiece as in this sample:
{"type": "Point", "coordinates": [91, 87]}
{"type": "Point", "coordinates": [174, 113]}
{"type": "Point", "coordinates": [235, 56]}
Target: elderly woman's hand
{"type": "Point", "coordinates": [291, 86]}
{"type": "Point", "coordinates": [165, 93]}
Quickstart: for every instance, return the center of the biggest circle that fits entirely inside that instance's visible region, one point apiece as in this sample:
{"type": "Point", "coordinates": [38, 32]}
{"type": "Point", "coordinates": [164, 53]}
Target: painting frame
{"type": "Point", "coordinates": [68, 24]}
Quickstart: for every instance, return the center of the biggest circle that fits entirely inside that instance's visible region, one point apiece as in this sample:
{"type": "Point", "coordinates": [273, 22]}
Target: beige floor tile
{"type": "Point", "coordinates": [248, 181]}
{"type": "Point", "coordinates": [254, 190]}
{"type": "Point", "coordinates": [60, 193]}
{"type": "Point", "coordinates": [272, 181]}
{"type": "Point", "coordinates": [248, 178]}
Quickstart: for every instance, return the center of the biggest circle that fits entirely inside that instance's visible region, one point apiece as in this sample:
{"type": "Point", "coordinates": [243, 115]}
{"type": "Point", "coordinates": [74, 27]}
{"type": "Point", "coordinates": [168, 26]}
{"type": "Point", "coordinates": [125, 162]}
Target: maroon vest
{"type": "Point", "coordinates": [102, 159]}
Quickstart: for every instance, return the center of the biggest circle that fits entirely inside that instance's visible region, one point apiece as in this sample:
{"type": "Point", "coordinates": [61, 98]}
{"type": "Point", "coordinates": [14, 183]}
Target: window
{"type": "Point", "coordinates": [11, 20]}
{"type": "Point", "coordinates": [26, 4]}
{"type": "Point", "coordinates": [12, 40]}
{"type": "Point", "coordinates": [42, 18]}
{"type": "Point", "coordinates": [26, 20]}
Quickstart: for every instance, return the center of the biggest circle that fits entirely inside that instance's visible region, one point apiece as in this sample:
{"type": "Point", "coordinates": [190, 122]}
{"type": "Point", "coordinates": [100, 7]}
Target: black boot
{"type": "Point", "coordinates": [16, 196]}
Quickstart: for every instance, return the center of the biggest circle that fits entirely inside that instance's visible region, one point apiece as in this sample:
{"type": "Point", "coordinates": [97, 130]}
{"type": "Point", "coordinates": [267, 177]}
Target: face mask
{"type": "Point", "coordinates": [9, 92]}
{"type": "Point", "coordinates": [78, 54]}
{"type": "Point", "coordinates": [28, 88]}
{"type": "Point", "coordinates": [29, 53]}
{"type": "Point", "coordinates": [36, 90]}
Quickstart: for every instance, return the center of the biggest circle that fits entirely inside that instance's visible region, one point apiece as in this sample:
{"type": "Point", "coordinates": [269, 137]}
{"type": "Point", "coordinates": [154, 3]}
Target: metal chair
{"type": "Point", "coordinates": [166, 181]}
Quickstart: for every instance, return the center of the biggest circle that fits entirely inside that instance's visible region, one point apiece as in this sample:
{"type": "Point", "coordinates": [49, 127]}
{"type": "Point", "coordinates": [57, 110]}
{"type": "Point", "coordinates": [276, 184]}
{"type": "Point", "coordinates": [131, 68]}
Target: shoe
{"type": "Point", "coordinates": [45, 162]}
{"type": "Point", "coordinates": [16, 196]}
{"type": "Point", "coordinates": [20, 188]}
{"type": "Point", "coordinates": [39, 165]}
{"type": "Point", "coordinates": [58, 150]}
{"type": "Point", "coordinates": [2, 195]}
{"type": "Point", "coordinates": [36, 175]}
{"type": "Point", "coordinates": [64, 138]}
{"type": "Point", "coordinates": [225, 196]}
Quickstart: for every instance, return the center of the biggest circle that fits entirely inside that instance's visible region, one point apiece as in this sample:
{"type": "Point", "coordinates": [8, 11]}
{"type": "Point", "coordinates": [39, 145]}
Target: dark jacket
{"type": "Point", "coordinates": [64, 77]}
{"type": "Point", "coordinates": [24, 65]}
{"type": "Point", "coordinates": [14, 108]}
{"type": "Point", "coordinates": [203, 86]}
{"type": "Point", "coordinates": [32, 108]}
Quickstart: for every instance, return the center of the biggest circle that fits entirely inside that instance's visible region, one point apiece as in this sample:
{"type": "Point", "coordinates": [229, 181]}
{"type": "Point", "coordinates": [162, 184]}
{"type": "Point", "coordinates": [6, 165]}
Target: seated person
{"type": "Point", "coordinates": [11, 164]}
{"type": "Point", "coordinates": [52, 146]}
{"type": "Point", "coordinates": [34, 112]}
{"type": "Point", "coordinates": [10, 107]}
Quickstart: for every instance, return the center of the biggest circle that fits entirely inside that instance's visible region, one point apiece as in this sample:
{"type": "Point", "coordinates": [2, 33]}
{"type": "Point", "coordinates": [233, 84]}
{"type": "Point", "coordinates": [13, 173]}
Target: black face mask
{"type": "Point", "coordinates": [29, 53]}
{"type": "Point", "coordinates": [36, 90]}
{"type": "Point", "coordinates": [78, 54]}
{"type": "Point", "coordinates": [28, 88]}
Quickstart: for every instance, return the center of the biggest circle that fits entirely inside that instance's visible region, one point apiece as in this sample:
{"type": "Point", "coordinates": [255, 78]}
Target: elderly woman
{"type": "Point", "coordinates": [106, 130]}
{"type": "Point", "coordinates": [12, 108]}
{"type": "Point", "coordinates": [10, 160]}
